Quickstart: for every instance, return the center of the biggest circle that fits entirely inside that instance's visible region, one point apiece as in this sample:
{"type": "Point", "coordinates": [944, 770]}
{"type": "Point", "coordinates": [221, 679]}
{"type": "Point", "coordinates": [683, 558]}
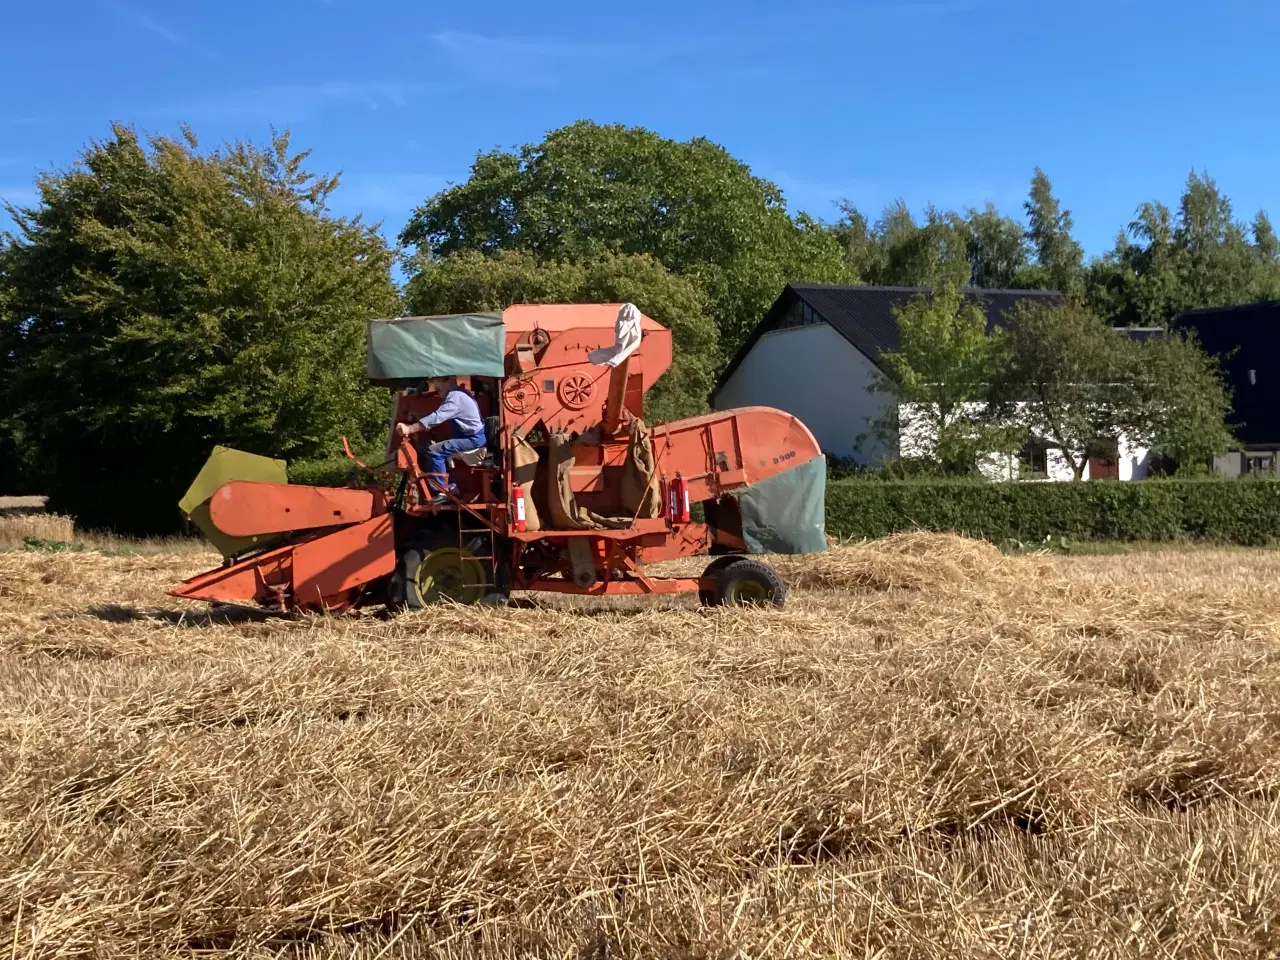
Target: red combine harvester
{"type": "Point", "coordinates": [573, 493]}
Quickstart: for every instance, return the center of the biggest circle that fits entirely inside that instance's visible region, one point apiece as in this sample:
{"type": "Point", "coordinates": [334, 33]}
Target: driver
{"type": "Point", "coordinates": [458, 409]}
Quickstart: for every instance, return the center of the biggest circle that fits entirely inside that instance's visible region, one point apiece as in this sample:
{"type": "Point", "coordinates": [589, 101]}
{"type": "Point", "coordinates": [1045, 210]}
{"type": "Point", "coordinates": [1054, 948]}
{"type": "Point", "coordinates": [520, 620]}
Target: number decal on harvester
{"type": "Point", "coordinates": [786, 456]}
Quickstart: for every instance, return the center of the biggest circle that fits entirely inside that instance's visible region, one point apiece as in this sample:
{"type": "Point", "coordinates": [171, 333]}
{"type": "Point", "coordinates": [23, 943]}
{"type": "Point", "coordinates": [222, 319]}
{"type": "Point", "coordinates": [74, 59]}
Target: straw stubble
{"type": "Point", "coordinates": [932, 751]}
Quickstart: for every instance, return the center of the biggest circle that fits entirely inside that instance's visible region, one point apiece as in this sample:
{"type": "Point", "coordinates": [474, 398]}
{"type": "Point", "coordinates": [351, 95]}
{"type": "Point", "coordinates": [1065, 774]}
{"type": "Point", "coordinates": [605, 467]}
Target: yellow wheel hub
{"type": "Point", "coordinates": [748, 593]}
{"type": "Point", "coordinates": [450, 574]}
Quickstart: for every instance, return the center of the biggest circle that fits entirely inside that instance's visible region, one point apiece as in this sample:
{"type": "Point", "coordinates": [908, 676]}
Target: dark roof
{"type": "Point", "coordinates": [1245, 338]}
{"type": "Point", "coordinates": [865, 315]}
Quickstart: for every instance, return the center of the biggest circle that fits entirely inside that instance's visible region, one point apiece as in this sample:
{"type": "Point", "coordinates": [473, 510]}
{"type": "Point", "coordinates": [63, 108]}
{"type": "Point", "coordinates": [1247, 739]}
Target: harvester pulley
{"type": "Point", "coordinates": [520, 396]}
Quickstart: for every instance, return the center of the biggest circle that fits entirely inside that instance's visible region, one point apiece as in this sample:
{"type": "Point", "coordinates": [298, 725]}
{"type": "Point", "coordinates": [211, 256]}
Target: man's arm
{"type": "Point", "coordinates": [447, 410]}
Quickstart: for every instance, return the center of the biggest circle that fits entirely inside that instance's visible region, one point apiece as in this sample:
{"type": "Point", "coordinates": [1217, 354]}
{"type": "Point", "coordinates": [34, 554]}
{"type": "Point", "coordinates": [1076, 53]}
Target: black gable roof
{"type": "Point", "coordinates": [865, 315]}
{"type": "Point", "coordinates": [1245, 339]}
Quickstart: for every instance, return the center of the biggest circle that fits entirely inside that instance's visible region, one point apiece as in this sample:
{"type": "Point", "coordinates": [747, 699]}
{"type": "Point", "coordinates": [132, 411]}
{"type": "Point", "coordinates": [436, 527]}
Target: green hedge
{"type": "Point", "coordinates": [323, 473]}
{"type": "Point", "coordinates": [1230, 511]}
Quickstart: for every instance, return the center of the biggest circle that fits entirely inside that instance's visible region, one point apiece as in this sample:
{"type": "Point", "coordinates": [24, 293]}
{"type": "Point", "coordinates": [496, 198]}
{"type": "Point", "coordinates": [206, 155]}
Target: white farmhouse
{"type": "Point", "coordinates": [815, 355]}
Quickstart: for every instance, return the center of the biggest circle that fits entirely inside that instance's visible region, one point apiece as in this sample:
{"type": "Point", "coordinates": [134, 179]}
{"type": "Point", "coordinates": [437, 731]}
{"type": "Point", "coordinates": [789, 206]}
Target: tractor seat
{"type": "Point", "coordinates": [489, 457]}
{"type": "Point", "coordinates": [478, 457]}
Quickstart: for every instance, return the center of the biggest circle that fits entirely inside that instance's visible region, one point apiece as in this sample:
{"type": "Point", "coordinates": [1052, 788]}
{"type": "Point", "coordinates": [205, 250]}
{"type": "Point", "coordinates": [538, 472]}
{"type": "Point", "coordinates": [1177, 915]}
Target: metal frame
{"type": "Point", "coordinates": [623, 568]}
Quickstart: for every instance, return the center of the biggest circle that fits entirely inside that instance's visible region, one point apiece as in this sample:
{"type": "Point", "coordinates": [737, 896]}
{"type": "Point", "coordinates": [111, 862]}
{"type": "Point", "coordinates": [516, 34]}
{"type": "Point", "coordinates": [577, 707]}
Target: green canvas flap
{"type": "Point", "coordinates": [786, 513]}
{"type": "Point", "coordinates": [408, 350]}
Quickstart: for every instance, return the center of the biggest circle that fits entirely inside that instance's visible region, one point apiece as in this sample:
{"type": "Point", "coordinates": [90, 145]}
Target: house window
{"type": "Point", "coordinates": [1260, 462]}
{"type": "Point", "coordinates": [1253, 378]}
{"type": "Point", "coordinates": [799, 314]}
{"type": "Point", "coordinates": [1035, 460]}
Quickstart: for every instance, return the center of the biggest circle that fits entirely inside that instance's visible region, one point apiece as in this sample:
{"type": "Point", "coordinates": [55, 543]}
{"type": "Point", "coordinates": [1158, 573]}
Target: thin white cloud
{"type": "Point", "coordinates": [534, 61]}
{"type": "Point", "coordinates": [289, 103]}
{"type": "Point", "coordinates": [818, 198]}
{"type": "Point", "coordinates": [492, 50]}
{"type": "Point", "coordinates": [140, 19]}
{"type": "Point", "coordinates": [158, 29]}
{"type": "Point", "coordinates": [930, 8]}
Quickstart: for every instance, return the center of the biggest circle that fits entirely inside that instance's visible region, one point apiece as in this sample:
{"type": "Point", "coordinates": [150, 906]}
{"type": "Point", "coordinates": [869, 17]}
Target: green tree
{"type": "Point", "coordinates": [160, 300]}
{"type": "Point", "coordinates": [1184, 402]}
{"type": "Point", "coordinates": [997, 249]}
{"type": "Point", "coordinates": [1059, 259]}
{"type": "Point", "coordinates": [938, 380]}
{"type": "Point", "coordinates": [1265, 244]}
{"type": "Point", "coordinates": [587, 190]}
{"type": "Point", "coordinates": [474, 281]}
{"type": "Point", "coordinates": [1201, 256]}
{"type": "Point", "coordinates": [979, 248]}
{"type": "Point", "coordinates": [861, 243]}
{"type": "Point", "coordinates": [1072, 381]}
{"type": "Point", "coordinates": [1068, 379]}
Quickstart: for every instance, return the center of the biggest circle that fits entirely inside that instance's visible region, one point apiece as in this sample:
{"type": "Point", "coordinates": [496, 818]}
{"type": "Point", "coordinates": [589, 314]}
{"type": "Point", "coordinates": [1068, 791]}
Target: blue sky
{"type": "Point", "coordinates": [952, 102]}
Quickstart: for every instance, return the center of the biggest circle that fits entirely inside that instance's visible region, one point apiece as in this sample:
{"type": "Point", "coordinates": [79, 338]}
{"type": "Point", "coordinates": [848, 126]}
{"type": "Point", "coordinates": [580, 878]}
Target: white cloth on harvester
{"type": "Point", "coordinates": [626, 333]}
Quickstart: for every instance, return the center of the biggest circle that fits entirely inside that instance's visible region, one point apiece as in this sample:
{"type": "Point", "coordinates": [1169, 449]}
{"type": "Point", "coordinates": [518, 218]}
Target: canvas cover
{"type": "Point", "coordinates": [408, 350]}
{"type": "Point", "coordinates": [640, 493]}
{"type": "Point", "coordinates": [524, 472]}
{"type": "Point", "coordinates": [786, 513]}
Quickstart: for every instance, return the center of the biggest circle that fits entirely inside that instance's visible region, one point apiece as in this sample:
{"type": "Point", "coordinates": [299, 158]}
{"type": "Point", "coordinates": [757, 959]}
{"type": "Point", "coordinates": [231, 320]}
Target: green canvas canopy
{"type": "Point", "coordinates": [408, 350]}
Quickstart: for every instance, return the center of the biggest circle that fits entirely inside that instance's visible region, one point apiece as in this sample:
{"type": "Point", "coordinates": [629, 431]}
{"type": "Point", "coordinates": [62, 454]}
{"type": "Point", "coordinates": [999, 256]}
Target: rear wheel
{"type": "Point", "coordinates": [437, 569]}
{"type": "Point", "coordinates": [744, 582]}
{"type": "Point", "coordinates": [711, 575]}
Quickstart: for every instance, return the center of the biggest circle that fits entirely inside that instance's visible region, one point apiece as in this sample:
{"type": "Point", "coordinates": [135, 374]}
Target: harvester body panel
{"type": "Point", "coordinates": [245, 508]}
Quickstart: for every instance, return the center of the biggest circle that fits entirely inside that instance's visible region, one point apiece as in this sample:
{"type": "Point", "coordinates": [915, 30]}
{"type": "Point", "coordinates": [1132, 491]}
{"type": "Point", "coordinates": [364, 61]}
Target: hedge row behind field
{"type": "Point", "coordinates": [1231, 511]}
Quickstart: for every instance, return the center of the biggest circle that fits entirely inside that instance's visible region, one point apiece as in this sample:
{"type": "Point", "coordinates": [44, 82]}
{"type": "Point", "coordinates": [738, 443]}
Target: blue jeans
{"type": "Point", "coordinates": [437, 454]}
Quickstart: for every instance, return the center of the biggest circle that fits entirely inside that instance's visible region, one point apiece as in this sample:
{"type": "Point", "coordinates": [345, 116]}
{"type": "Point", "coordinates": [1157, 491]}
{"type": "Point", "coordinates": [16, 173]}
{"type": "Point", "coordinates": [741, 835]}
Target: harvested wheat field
{"type": "Point", "coordinates": [933, 751]}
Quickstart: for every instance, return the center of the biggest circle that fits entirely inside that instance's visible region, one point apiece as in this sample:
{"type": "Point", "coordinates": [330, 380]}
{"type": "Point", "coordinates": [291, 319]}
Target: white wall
{"type": "Point", "coordinates": [817, 375]}
{"type": "Point", "coordinates": [1230, 465]}
{"type": "Point", "coordinates": [917, 440]}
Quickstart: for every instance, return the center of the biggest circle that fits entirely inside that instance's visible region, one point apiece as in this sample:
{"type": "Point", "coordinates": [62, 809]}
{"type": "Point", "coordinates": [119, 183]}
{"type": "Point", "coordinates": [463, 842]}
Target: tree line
{"type": "Point", "coordinates": [160, 297]}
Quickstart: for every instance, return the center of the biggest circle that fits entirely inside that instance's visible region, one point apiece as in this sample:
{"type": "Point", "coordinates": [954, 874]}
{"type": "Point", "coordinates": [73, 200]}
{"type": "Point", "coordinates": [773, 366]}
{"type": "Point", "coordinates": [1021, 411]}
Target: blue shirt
{"type": "Point", "coordinates": [459, 407]}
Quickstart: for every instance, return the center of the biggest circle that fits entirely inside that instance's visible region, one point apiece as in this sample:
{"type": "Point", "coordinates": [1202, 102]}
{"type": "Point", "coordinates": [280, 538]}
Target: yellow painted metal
{"type": "Point", "coordinates": [224, 465]}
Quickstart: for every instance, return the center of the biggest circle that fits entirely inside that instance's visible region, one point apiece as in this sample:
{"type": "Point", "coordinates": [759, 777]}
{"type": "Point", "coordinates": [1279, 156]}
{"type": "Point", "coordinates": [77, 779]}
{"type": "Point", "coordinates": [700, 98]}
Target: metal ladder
{"type": "Point", "coordinates": [464, 512]}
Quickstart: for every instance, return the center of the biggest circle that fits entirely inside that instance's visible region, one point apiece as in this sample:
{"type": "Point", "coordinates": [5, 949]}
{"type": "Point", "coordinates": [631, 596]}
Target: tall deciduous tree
{"type": "Point", "coordinates": [473, 281]}
{"type": "Point", "coordinates": [587, 190]}
{"type": "Point", "coordinates": [1184, 402]}
{"type": "Point", "coordinates": [160, 300]}
{"type": "Point", "coordinates": [979, 248]}
{"type": "Point", "coordinates": [939, 379]}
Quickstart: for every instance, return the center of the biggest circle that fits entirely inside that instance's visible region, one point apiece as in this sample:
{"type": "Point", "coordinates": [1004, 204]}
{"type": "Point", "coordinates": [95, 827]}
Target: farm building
{"type": "Point", "coordinates": [815, 355]}
{"type": "Point", "coordinates": [1242, 337]}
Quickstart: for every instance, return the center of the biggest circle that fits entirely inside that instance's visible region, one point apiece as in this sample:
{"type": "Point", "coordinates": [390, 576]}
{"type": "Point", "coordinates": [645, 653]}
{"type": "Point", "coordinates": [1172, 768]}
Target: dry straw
{"type": "Point", "coordinates": [932, 751]}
